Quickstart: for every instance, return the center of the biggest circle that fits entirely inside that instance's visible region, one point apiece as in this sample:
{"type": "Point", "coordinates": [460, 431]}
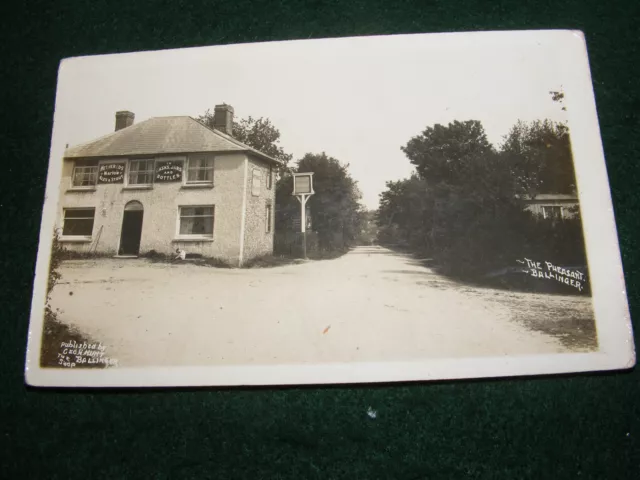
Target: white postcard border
{"type": "Point", "coordinates": [616, 346]}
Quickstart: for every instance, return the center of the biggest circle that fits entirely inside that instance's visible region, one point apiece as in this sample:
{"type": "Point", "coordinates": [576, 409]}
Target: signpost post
{"type": "Point", "coordinates": [303, 189]}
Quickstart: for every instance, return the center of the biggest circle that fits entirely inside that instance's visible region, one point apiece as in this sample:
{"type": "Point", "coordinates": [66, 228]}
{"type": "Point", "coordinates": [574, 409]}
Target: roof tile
{"type": "Point", "coordinates": [162, 135]}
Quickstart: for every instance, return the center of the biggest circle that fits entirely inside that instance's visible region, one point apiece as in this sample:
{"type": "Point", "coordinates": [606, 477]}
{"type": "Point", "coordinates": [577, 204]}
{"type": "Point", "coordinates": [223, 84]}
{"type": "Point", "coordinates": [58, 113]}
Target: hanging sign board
{"type": "Point", "coordinates": [303, 183]}
{"type": "Point", "coordinates": [111, 172]}
{"type": "Point", "coordinates": [169, 171]}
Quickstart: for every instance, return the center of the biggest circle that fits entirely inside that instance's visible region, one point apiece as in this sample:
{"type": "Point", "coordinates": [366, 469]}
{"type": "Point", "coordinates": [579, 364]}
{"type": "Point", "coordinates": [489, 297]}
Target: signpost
{"type": "Point", "coordinates": [303, 189]}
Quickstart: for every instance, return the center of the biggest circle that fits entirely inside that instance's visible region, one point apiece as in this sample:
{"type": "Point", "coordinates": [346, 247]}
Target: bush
{"type": "Point", "coordinates": [289, 243]}
{"type": "Point", "coordinates": [55, 332]}
{"type": "Point", "coordinates": [470, 234]}
{"type": "Point", "coordinates": [58, 254]}
{"type": "Point", "coordinates": [489, 243]}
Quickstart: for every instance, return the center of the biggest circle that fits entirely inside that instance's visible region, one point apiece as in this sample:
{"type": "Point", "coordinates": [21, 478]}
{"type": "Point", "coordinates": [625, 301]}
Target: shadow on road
{"type": "Point", "coordinates": [388, 253]}
{"type": "Point", "coordinates": [566, 317]}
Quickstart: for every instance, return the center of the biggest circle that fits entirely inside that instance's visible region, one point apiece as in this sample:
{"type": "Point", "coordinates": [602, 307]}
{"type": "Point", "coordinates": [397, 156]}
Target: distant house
{"type": "Point", "coordinates": [168, 183]}
{"type": "Point", "coordinates": [553, 205]}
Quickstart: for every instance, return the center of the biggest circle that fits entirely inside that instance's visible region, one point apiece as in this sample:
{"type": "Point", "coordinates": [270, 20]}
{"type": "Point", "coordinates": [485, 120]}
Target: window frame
{"type": "Point", "coordinates": [80, 238]}
{"type": "Point", "coordinates": [551, 217]}
{"type": "Point", "coordinates": [153, 172]}
{"type": "Point", "coordinates": [268, 212]}
{"type": "Point", "coordinates": [195, 236]}
{"type": "Point", "coordinates": [199, 183]}
{"type": "Point", "coordinates": [256, 174]}
{"type": "Point", "coordinates": [76, 166]}
{"type": "Point", "coordinates": [269, 177]}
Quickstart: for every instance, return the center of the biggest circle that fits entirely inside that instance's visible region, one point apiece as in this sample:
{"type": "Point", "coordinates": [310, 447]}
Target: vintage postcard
{"type": "Point", "coordinates": [372, 209]}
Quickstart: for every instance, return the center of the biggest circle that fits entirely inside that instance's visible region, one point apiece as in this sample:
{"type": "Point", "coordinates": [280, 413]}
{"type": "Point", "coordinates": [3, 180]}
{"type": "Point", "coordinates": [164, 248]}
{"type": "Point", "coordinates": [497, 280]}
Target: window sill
{"type": "Point", "coordinates": [192, 239]}
{"type": "Point", "coordinates": [138, 187]}
{"type": "Point", "coordinates": [81, 189]}
{"type": "Point", "coordinates": [197, 185]}
{"type": "Point", "coordinates": [75, 239]}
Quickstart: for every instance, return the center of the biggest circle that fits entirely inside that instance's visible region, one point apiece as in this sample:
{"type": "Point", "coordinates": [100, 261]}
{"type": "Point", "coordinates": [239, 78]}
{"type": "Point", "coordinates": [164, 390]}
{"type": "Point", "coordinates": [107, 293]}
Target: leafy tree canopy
{"type": "Point", "coordinates": [403, 201]}
{"type": "Point", "coordinates": [465, 205]}
{"type": "Point", "coordinates": [449, 154]}
{"type": "Point", "coordinates": [258, 133]}
{"type": "Point", "coordinates": [539, 154]}
{"type": "Point", "coordinates": [335, 207]}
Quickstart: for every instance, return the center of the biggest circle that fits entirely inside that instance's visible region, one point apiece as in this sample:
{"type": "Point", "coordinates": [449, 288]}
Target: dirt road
{"type": "Point", "coordinates": [369, 305]}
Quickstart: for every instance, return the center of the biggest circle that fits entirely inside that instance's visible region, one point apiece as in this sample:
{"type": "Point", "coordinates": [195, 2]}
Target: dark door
{"type": "Point", "coordinates": [131, 232]}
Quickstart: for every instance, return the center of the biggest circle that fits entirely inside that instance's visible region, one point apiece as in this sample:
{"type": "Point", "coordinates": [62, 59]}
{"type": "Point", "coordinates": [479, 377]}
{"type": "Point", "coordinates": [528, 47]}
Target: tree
{"type": "Point", "coordinates": [539, 154]}
{"type": "Point", "coordinates": [258, 133]}
{"type": "Point", "coordinates": [451, 154]}
{"type": "Point", "coordinates": [459, 178]}
{"type": "Point", "coordinates": [335, 209]}
{"type": "Point", "coordinates": [368, 227]}
{"type": "Point", "coordinates": [558, 97]}
{"type": "Point", "coordinates": [464, 205]}
{"type": "Point", "coordinates": [405, 213]}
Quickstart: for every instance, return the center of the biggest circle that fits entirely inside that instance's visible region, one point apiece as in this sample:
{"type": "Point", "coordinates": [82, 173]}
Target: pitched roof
{"type": "Point", "coordinates": [552, 196]}
{"type": "Point", "coordinates": [160, 135]}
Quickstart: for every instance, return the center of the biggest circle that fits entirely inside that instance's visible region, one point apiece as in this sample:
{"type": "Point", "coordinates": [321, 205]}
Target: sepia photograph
{"type": "Point", "coordinates": [368, 209]}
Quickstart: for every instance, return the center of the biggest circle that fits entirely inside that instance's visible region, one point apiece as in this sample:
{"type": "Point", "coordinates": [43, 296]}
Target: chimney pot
{"type": "Point", "coordinates": [124, 119]}
{"type": "Point", "coordinates": [223, 118]}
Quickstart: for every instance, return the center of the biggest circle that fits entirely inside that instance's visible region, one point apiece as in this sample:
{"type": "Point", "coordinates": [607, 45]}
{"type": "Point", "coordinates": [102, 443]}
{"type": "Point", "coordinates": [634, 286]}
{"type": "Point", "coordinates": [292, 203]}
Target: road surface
{"type": "Point", "coordinates": [372, 304]}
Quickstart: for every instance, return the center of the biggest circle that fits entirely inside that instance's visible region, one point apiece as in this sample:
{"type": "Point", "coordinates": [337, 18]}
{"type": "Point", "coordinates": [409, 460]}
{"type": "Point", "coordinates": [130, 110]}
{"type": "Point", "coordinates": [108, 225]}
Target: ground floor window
{"type": "Point", "coordinates": [267, 218]}
{"type": "Point", "coordinates": [197, 221]}
{"type": "Point", "coordinates": [78, 222]}
{"type": "Point", "coordinates": [553, 212]}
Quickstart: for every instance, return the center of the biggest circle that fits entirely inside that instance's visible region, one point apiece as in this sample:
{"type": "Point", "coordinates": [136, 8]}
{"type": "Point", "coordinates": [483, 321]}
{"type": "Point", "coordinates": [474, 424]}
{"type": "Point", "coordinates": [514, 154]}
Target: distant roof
{"type": "Point", "coordinates": [551, 196]}
{"type": "Point", "coordinates": [160, 135]}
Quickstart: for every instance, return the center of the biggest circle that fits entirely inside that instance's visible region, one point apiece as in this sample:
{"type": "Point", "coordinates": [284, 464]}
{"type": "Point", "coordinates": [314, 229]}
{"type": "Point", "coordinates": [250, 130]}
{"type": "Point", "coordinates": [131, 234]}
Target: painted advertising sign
{"type": "Point", "coordinates": [169, 171]}
{"type": "Point", "coordinates": [111, 172]}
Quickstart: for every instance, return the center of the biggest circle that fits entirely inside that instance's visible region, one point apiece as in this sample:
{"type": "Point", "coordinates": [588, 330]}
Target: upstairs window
{"type": "Point", "coordinates": [78, 222]}
{"type": "Point", "coordinates": [141, 172]}
{"type": "Point", "coordinates": [196, 221]}
{"type": "Point", "coordinates": [256, 182]}
{"type": "Point", "coordinates": [200, 170]}
{"type": "Point", "coordinates": [85, 173]}
{"type": "Point", "coordinates": [270, 177]}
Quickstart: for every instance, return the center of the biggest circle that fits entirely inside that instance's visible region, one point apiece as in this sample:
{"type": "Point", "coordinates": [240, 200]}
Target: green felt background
{"type": "Point", "coordinates": [582, 426]}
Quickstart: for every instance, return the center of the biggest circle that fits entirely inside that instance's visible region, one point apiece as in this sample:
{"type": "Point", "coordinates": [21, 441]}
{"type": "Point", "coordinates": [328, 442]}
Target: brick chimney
{"type": "Point", "coordinates": [124, 119]}
{"type": "Point", "coordinates": [223, 118]}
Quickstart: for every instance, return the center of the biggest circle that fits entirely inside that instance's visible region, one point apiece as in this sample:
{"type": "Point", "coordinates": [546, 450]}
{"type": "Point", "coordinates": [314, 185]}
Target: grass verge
{"type": "Point", "coordinates": [268, 261]}
{"type": "Point", "coordinates": [54, 334]}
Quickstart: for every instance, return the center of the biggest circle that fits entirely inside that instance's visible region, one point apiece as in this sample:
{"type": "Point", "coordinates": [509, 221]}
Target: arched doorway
{"type": "Point", "coordinates": [131, 229]}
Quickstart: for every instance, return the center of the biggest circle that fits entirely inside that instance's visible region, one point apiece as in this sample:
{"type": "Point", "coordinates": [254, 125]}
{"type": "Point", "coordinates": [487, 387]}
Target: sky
{"type": "Point", "coordinates": [357, 99]}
